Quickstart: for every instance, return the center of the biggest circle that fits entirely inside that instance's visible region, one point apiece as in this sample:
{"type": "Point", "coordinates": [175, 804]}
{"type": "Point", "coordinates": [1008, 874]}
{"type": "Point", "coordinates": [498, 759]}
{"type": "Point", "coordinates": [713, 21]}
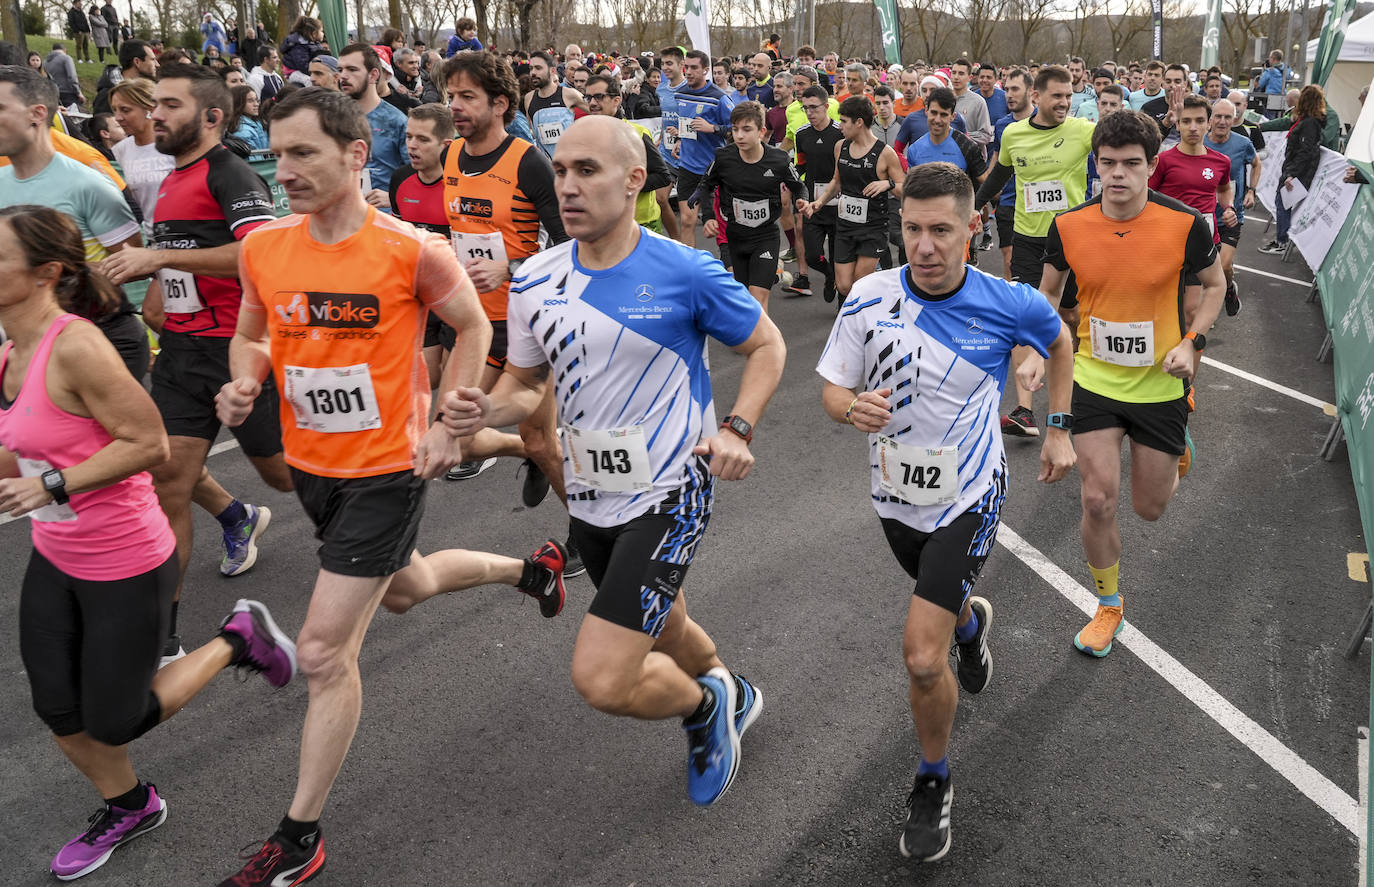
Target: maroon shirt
{"type": "Point", "coordinates": [1194, 180]}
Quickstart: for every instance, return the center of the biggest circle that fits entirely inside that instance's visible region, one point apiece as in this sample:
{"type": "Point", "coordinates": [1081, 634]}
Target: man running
{"type": "Point", "coordinates": [642, 442]}
{"type": "Point", "coordinates": [1047, 154]}
{"type": "Point", "coordinates": [816, 142]}
{"type": "Point", "coordinates": [703, 113]}
{"type": "Point", "coordinates": [360, 71]}
{"type": "Point", "coordinates": [1017, 87]}
{"type": "Point", "coordinates": [1245, 170]}
{"type": "Point", "coordinates": [549, 106]}
{"type": "Point", "coordinates": [902, 366]}
{"type": "Point", "coordinates": [1131, 250]}
{"type": "Point", "coordinates": [748, 175]}
{"type": "Point", "coordinates": [333, 304]}
{"type": "Point", "coordinates": [205, 207]}
{"type": "Point", "coordinates": [866, 173]}
{"type": "Point", "coordinates": [943, 143]}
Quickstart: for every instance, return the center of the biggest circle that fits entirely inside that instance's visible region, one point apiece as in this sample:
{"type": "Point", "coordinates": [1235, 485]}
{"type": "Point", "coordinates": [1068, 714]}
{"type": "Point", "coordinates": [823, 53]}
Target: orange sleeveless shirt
{"type": "Point", "coordinates": [345, 323]}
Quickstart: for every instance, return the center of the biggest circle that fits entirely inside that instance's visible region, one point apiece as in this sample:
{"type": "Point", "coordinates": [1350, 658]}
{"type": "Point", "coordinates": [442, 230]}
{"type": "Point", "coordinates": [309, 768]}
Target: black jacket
{"type": "Point", "coordinates": [77, 22]}
{"type": "Point", "coordinates": [1303, 154]}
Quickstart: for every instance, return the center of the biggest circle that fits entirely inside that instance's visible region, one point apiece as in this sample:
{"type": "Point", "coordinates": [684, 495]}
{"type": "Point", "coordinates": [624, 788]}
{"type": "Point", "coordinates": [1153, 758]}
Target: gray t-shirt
{"type": "Point", "coordinates": [975, 112]}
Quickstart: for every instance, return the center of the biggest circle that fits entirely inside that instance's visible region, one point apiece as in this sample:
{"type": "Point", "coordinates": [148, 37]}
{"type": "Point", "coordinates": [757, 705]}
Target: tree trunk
{"type": "Point", "coordinates": [287, 13]}
{"type": "Point", "coordinates": [393, 10]}
{"type": "Point", "coordinates": [361, 6]}
{"type": "Point", "coordinates": [12, 21]}
{"type": "Point", "coordinates": [480, 11]}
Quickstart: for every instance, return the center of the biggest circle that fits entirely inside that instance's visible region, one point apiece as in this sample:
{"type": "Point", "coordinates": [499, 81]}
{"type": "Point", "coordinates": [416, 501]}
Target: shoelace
{"type": "Point", "coordinates": [259, 865]}
{"type": "Point", "coordinates": [100, 822]}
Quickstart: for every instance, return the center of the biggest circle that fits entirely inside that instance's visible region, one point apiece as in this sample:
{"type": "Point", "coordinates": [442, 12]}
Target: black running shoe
{"type": "Point", "coordinates": [975, 660]}
{"type": "Point", "coordinates": [1274, 248]}
{"type": "Point", "coordinates": [1020, 422]}
{"type": "Point", "coordinates": [926, 835]}
{"type": "Point", "coordinates": [987, 242]}
{"type": "Point", "coordinates": [572, 566]}
{"type": "Point", "coordinates": [280, 863]}
{"type": "Point", "coordinates": [535, 487]}
{"type": "Point", "coordinates": [549, 560]}
{"type": "Point", "coordinates": [800, 286]}
{"type": "Point", "coordinates": [1232, 300]}
{"type": "Point", "coordinates": [829, 292]}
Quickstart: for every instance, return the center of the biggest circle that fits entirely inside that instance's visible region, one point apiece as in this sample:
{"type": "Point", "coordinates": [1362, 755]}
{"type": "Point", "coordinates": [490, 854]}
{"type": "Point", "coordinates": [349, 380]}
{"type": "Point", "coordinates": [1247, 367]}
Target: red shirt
{"type": "Point", "coordinates": [1194, 180]}
{"type": "Point", "coordinates": [775, 121]}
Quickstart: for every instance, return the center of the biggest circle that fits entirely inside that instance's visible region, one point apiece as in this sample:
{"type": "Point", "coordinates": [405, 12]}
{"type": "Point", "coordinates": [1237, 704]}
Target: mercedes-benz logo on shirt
{"type": "Point", "coordinates": [645, 293]}
{"type": "Point", "coordinates": [975, 325]}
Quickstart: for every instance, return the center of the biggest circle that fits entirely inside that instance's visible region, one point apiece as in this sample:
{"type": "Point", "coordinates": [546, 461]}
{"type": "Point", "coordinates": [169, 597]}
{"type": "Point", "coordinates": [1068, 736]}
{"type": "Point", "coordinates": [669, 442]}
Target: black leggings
{"type": "Point", "coordinates": [91, 648]}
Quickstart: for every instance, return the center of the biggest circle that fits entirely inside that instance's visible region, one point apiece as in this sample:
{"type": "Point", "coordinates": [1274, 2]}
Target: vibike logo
{"type": "Point", "coordinates": [338, 310]}
{"type": "Point", "coordinates": [471, 206]}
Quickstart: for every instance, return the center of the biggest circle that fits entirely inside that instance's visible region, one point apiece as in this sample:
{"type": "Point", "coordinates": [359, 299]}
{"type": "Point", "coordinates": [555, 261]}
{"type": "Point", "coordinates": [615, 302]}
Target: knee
{"type": "Point", "coordinates": [275, 474]}
{"type": "Point", "coordinates": [324, 663]}
{"type": "Point", "coordinates": [925, 664]}
{"type": "Point", "coordinates": [1099, 504]}
{"type": "Point", "coordinates": [121, 728]}
{"type": "Point", "coordinates": [602, 690]}
{"type": "Point", "coordinates": [1149, 509]}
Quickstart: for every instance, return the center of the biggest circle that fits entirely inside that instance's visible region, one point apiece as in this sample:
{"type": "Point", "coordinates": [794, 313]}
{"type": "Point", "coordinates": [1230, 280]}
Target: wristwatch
{"type": "Point", "coordinates": [1059, 420]}
{"type": "Point", "coordinates": [56, 484]}
{"type": "Point", "coordinates": [739, 426]}
{"type": "Point", "coordinates": [1198, 339]}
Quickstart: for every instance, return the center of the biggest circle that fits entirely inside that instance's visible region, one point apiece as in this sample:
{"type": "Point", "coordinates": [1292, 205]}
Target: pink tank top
{"type": "Point", "coordinates": [107, 534]}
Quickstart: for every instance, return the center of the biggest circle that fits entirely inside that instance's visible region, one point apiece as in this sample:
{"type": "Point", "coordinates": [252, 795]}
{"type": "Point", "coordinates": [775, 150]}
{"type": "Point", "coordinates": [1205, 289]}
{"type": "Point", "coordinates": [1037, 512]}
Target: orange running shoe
{"type": "Point", "coordinates": [1096, 637]}
{"type": "Point", "coordinates": [1185, 462]}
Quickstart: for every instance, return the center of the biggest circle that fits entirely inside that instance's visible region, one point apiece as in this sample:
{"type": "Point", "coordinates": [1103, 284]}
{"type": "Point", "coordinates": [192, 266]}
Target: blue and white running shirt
{"type": "Point", "coordinates": [946, 362]}
{"type": "Point", "coordinates": [627, 348]}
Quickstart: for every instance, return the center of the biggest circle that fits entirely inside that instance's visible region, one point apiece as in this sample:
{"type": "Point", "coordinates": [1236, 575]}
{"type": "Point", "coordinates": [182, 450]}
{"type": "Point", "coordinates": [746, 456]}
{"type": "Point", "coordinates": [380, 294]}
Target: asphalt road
{"type": "Point", "coordinates": [477, 764]}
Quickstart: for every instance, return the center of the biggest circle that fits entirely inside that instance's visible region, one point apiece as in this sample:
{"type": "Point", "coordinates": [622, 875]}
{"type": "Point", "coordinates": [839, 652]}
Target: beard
{"type": "Point", "coordinates": [179, 140]}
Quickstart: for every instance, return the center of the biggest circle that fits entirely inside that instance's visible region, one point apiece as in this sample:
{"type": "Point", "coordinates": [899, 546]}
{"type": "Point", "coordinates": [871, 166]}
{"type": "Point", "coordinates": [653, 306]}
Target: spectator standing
{"type": "Point", "coordinates": [80, 28]}
{"type": "Point", "coordinates": [62, 70]}
{"type": "Point", "coordinates": [213, 34]}
{"type": "Point", "coordinates": [264, 79]}
{"type": "Point", "coordinates": [300, 46]}
{"type": "Point", "coordinates": [111, 16]}
{"type": "Point", "coordinates": [100, 31]}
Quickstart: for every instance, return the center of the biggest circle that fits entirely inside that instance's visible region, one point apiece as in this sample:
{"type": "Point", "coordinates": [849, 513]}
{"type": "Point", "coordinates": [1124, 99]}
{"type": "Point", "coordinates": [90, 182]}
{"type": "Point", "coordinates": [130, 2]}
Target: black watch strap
{"type": "Point", "coordinates": [56, 484]}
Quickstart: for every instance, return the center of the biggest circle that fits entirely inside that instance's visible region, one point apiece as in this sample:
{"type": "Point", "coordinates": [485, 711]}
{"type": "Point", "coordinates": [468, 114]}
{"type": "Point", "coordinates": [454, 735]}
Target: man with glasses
{"type": "Point", "coordinates": [604, 98]}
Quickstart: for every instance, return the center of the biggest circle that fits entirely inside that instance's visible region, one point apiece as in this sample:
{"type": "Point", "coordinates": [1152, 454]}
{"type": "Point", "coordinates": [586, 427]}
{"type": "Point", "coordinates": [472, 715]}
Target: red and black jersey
{"type": "Point", "coordinates": [212, 201]}
{"type": "Point", "coordinates": [418, 202]}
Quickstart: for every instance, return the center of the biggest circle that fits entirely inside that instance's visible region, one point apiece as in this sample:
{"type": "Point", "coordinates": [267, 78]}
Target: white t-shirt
{"type": "Point", "coordinates": [144, 168]}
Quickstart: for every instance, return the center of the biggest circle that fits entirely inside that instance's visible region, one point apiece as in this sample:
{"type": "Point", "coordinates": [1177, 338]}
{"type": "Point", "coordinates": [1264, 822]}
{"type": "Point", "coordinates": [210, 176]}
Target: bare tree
{"type": "Point", "coordinates": [1124, 27]}
{"type": "Point", "coordinates": [1242, 24]}
{"type": "Point", "coordinates": [934, 25]}
{"type": "Point", "coordinates": [1029, 17]}
{"type": "Point", "coordinates": [980, 18]}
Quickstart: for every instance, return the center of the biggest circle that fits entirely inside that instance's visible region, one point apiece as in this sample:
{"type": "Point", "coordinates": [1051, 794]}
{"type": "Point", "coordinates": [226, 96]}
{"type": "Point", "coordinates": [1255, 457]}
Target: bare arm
{"type": "Point", "coordinates": [133, 263]}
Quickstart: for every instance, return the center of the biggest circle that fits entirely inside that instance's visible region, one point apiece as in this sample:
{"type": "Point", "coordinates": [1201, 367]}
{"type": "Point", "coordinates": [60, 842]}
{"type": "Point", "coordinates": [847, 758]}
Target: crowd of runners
{"type": "Point", "coordinates": [560, 319]}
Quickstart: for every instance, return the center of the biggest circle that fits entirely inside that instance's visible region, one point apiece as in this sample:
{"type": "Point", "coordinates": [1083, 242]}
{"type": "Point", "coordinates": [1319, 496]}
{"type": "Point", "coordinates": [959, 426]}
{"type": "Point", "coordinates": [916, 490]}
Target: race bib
{"type": "Point", "coordinates": [51, 513]}
{"type": "Point", "coordinates": [1049, 196]}
{"type": "Point", "coordinates": [479, 246]}
{"type": "Point", "coordinates": [614, 461]}
{"type": "Point", "coordinates": [1128, 344]}
{"type": "Point", "coordinates": [332, 400]}
{"type": "Point", "coordinates": [853, 209]}
{"type": "Point", "coordinates": [550, 132]}
{"type": "Point", "coordinates": [684, 129]}
{"type": "Point", "coordinates": [180, 295]}
{"type": "Point", "coordinates": [669, 140]}
{"type": "Point", "coordinates": [751, 213]}
{"type": "Point", "coordinates": [918, 475]}
{"type": "Point", "coordinates": [818, 189]}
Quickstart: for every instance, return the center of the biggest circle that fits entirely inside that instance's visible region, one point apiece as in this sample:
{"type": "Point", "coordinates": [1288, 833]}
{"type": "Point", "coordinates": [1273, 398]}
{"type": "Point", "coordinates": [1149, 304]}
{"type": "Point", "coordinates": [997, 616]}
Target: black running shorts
{"type": "Point", "coordinates": [854, 243]}
{"type": "Point", "coordinates": [638, 567]}
{"type": "Point", "coordinates": [945, 563]}
{"type": "Point", "coordinates": [129, 336]}
{"type": "Point", "coordinates": [1006, 218]}
{"type": "Point", "coordinates": [433, 330]}
{"type": "Point", "coordinates": [367, 526]}
{"type": "Point", "coordinates": [755, 262]}
{"type": "Point", "coordinates": [1159, 426]}
{"type": "Point", "coordinates": [1230, 236]}
{"type": "Point", "coordinates": [496, 354]}
{"type": "Point", "coordinates": [188, 373]}
{"type": "Point", "coordinates": [687, 182]}
{"type": "Point", "coordinates": [1028, 266]}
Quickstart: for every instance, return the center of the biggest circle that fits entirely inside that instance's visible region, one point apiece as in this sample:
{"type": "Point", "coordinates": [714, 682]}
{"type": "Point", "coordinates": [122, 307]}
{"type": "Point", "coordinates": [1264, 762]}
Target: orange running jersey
{"type": "Point", "coordinates": [1130, 278]}
{"type": "Point", "coordinates": [490, 217]}
{"type": "Point", "coordinates": [346, 323]}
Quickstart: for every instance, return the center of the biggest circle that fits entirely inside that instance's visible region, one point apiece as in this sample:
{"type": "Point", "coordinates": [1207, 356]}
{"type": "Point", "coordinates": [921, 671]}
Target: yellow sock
{"type": "Point", "coordinates": [1106, 579]}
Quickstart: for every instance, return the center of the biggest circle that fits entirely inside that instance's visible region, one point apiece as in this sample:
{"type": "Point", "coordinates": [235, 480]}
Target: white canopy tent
{"type": "Point", "coordinates": [1353, 71]}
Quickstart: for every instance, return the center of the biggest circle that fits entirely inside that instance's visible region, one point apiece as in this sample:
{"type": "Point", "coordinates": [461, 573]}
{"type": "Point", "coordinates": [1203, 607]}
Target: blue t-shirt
{"type": "Point", "coordinates": [914, 126]}
{"type": "Point", "coordinates": [761, 92]}
{"type": "Point", "coordinates": [947, 363]}
{"type": "Point", "coordinates": [923, 150]}
{"type": "Point", "coordinates": [1241, 151]}
{"type": "Point", "coordinates": [1009, 191]}
{"type": "Point", "coordinates": [714, 107]}
{"type": "Point", "coordinates": [388, 152]}
{"type": "Point", "coordinates": [997, 103]}
{"type": "Point", "coordinates": [456, 45]}
{"type": "Point", "coordinates": [627, 346]}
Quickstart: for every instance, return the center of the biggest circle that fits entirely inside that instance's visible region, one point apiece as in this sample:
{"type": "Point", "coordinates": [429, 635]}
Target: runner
{"type": "Point", "coordinates": [357, 436]}
{"type": "Point", "coordinates": [748, 174]}
{"type": "Point", "coordinates": [943, 143]}
{"type": "Point", "coordinates": [640, 499]}
{"type": "Point", "coordinates": [914, 124]}
{"type": "Point", "coordinates": [816, 143]}
{"type": "Point", "coordinates": [549, 106]}
{"type": "Point", "coordinates": [670, 58]}
{"type": "Point", "coordinates": [499, 195]}
{"type": "Point", "coordinates": [703, 112]}
{"type": "Point", "coordinates": [205, 207]}
{"type": "Point", "coordinates": [1047, 154]}
{"type": "Point", "coordinates": [939, 472]}
{"type": "Point", "coordinates": [77, 435]}
{"type": "Point", "coordinates": [1245, 169]}
{"type": "Point", "coordinates": [417, 194]}
{"type": "Point", "coordinates": [1130, 250]}
{"type": "Point", "coordinates": [1017, 87]}
{"type": "Point", "coordinates": [867, 170]}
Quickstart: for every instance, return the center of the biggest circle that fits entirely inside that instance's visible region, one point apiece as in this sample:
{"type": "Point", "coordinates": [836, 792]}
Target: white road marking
{"type": "Point", "coordinates": [1304, 777]}
{"type": "Point", "coordinates": [218, 448]}
{"type": "Point", "coordinates": [1302, 283]}
{"type": "Point", "coordinates": [1362, 758]}
{"type": "Point", "coordinates": [1272, 386]}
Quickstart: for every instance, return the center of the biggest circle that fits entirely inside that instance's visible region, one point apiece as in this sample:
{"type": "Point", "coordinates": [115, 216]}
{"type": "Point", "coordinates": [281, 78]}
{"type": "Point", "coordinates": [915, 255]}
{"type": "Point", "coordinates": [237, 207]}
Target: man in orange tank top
{"type": "Point", "coordinates": [334, 307]}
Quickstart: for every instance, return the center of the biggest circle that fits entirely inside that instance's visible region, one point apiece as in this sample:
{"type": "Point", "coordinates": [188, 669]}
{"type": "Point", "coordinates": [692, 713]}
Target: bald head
{"type": "Point", "coordinates": [1224, 108]}
{"type": "Point", "coordinates": [599, 169]}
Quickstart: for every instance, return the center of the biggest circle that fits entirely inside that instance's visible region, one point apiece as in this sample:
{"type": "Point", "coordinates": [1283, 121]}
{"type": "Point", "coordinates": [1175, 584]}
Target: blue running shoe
{"type": "Point", "coordinates": [241, 543]}
{"type": "Point", "coordinates": [750, 706]}
{"type": "Point", "coordinates": [713, 745]}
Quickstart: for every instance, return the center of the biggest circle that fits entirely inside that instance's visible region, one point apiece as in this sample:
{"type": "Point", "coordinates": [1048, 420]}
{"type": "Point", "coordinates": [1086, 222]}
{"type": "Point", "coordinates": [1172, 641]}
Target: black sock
{"type": "Point", "coordinates": [705, 710]}
{"type": "Point", "coordinates": [302, 834]}
{"type": "Point", "coordinates": [739, 693]}
{"type": "Point", "coordinates": [172, 629]}
{"type": "Point", "coordinates": [237, 642]}
{"type": "Point", "coordinates": [530, 576]}
{"type": "Point", "coordinates": [135, 798]}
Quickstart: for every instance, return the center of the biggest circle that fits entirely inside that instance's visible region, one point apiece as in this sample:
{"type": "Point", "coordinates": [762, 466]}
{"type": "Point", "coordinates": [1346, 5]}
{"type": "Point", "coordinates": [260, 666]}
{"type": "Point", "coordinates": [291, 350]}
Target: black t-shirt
{"type": "Point", "coordinates": [816, 157]}
{"type": "Point", "coordinates": [750, 199]}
